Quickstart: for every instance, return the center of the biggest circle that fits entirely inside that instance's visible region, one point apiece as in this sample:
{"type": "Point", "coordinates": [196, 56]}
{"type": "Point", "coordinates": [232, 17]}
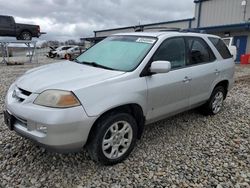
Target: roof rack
{"type": "Point", "coordinates": [193, 30]}
{"type": "Point", "coordinates": [141, 28]}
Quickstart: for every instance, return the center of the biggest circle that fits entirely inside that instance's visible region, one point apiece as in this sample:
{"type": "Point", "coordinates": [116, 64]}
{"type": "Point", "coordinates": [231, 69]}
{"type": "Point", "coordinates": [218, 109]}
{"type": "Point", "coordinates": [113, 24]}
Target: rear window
{"type": "Point", "coordinates": [221, 47]}
{"type": "Point", "coordinates": [66, 48]}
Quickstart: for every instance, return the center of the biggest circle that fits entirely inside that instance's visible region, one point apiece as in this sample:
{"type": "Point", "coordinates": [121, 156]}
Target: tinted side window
{"type": "Point", "coordinates": [5, 21]}
{"type": "Point", "coordinates": [65, 48]}
{"type": "Point", "coordinates": [221, 47]}
{"type": "Point", "coordinates": [198, 51]}
{"type": "Point", "coordinates": [172, 50]}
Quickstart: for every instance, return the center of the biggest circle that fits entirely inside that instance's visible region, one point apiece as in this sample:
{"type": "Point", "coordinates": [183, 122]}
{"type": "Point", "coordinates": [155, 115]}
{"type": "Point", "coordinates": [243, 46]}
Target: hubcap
{"type": "Point", "coordinates": [26, 36]}
{"type": "Point", "coordinates": [117, 139]}
{"type": "Point", "coordinates": [217, 102]}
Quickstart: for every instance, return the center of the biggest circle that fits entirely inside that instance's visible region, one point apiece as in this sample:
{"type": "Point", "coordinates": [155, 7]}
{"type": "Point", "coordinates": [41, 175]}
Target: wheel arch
{"type": "Point", "coordinates": [24, 30]}
{"type": "Point", "coordinates": [224, 84]}
{"type": "Point", "coordinates": [133, 109]}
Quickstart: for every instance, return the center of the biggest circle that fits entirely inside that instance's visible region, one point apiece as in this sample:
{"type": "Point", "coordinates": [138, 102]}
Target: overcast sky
{"type": "Point", "coordinates": [72, 19]}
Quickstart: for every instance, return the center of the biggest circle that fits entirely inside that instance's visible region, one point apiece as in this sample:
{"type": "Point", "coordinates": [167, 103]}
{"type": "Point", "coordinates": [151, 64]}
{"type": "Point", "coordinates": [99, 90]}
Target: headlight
{"type": "Point", "coordinates": [57, 99]}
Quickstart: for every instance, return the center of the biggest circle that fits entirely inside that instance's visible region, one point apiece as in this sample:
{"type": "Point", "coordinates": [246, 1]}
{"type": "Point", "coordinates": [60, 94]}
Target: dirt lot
{"type": "Point", "coordinates": [188, 150]}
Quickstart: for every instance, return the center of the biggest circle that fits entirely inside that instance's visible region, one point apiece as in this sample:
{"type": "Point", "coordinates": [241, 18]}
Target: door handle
{"type": "Point", "coordinates": [217, 71]}
{"type": "Point", "coordinates": [187, 79]}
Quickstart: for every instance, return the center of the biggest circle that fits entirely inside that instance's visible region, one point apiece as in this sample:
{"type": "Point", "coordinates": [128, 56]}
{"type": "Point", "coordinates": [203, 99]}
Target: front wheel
{"type": "Point", "coordinates": [67, 56]}
{"type": "Point", "coordinates": [113, 139]}
{"type": "Point", "coordinates": [215, 102]}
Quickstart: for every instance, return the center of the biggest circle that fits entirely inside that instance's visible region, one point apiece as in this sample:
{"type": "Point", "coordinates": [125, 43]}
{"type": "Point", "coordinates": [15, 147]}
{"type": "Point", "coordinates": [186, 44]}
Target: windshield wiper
{"type": "Point", "coordinates": [94, 64]}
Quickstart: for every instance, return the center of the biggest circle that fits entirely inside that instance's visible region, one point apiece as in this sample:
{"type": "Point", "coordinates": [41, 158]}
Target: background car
{"type": "Point", "coordinates": [232, 48]}
{"type": "Point", "coordinates": [70, 53]}
{"type": "Point", "coordinates": [9, 28]}
{"type": "Point", "coordinates": [53, 52]}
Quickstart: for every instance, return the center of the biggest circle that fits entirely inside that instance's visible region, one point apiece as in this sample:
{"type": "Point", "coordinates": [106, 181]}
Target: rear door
{"type": "Point", "coordinates": [202, 70]}
{"type": "Point", "coordinates": [226, 64]}
{"type": "Point", "coordinates": [168, 93]}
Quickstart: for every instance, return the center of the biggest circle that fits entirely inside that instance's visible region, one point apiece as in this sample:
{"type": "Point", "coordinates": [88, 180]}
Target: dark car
{"type": "Point", "coordinates": [8, 27]}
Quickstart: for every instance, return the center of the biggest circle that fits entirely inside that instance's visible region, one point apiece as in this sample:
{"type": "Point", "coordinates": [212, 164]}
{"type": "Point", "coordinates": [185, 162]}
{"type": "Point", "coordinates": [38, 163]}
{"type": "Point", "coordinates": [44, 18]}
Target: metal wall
{"type": "Point", "coordinates": [181, 25]}
{"type": "Point", "coordinates": [105, 33]}
{"type": "Point", "coordinates": [221, 12]}
{"type": "Point", "coordinates": [148, 27]}
{"type": "Point", "coordinates": [238, 33]}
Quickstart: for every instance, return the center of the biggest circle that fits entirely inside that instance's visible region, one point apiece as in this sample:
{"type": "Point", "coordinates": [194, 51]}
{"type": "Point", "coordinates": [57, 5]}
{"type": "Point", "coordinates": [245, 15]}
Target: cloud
{"type": "Point", "coordinates": [64, 19]}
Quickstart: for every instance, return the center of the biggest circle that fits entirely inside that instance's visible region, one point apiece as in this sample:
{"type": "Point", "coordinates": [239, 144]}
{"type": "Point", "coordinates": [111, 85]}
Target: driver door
{"type": "Point", "coordinates": [168, 93]}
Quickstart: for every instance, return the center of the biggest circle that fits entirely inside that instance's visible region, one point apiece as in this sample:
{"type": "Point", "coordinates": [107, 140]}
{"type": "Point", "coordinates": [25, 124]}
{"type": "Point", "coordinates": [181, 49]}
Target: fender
{"type": "Point", "coordinates": [102, 97]}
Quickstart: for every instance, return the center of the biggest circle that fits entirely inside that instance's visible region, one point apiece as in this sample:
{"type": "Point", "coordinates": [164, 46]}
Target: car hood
{"type": "Point", "coordinates": [65, 75]}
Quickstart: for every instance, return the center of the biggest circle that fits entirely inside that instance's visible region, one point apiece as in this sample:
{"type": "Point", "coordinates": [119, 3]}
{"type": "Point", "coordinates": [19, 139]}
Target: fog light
{"type": "Point", "coordinates": [42, 128]}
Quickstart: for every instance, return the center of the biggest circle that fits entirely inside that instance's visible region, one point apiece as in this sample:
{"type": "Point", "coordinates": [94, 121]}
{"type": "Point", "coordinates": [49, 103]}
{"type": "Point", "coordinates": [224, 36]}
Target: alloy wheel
{"type": "Point", "coordinates": [117, 139]}
{"type": "Point", "coordinates": [217, 102]}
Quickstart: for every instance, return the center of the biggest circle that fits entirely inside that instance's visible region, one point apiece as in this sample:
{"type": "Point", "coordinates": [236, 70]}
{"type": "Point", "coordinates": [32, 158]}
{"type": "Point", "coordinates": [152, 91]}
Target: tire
{"type": "Point", "coordinates": [52, 55]}
{"type": "Point", "coordinates": [25, 35]}
{"type": "Point", "coordinates": [67, 56]}
{"type": "Point", "coordinates": [113, 138]}
{"type": "Point", "coordinates": [215, 102]}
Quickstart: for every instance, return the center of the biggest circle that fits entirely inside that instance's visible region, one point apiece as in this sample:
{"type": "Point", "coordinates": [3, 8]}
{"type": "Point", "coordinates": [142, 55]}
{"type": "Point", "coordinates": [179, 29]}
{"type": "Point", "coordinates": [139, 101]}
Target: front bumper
{"type": "Point", "coordinates": [66, 129]}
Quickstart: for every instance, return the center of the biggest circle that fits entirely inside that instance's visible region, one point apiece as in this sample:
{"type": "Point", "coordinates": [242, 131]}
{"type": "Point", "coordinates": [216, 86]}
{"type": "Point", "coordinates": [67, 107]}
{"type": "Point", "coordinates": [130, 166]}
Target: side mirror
{"type": "Point", "coordinates": [160, 67]}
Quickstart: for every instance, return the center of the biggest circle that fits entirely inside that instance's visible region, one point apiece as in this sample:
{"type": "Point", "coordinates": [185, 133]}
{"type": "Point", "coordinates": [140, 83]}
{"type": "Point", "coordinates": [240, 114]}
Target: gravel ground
{"type": "Point", "coordinates": [188, 150]}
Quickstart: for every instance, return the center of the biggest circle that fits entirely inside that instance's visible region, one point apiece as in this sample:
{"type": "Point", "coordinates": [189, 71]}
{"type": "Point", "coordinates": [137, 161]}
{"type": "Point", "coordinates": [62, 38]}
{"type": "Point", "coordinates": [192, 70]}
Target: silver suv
{"type": "Point", "coordinates": [105, 97]}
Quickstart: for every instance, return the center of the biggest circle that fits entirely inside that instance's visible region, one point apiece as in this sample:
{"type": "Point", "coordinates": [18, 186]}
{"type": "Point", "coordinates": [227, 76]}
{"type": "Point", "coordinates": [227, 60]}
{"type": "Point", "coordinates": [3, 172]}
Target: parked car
{"type": "Point", "coordinates": [70, 53]}
{"type": "Point", "coordinates": [54, 51]}
{"type": "Point", "coordinates": [104, 98]}
{"type": "Point", "coordinates": [232, 48]}
{"type": "Point", "coordinates": [8, 27]}
{"type": "Point", "coordinates": [51, 51]}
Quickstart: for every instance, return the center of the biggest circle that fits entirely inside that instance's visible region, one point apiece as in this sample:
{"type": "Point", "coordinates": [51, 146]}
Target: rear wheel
{"type": "Point", "coordinates": [113, 139]}
{"type": "Point", "coordinates": [215, 102]}
{"type": "Point", "coordinates": [25, 35]}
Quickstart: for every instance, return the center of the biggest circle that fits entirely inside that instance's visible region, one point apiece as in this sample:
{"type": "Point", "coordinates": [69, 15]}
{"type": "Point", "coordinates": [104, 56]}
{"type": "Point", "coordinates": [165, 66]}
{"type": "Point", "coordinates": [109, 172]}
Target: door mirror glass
{"type": "Point", "coordinates": [160, 67]}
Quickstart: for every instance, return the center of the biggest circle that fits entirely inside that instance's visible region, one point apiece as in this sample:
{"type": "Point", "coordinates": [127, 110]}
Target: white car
{"type": "Point", "coordinates": [103, 99]}
{"type": "Point", "coordinates": [53, 53]}
{"type": "Point", "coordinates": [71, 52]}
{"type": "Point", "coordinates": [232, 48]}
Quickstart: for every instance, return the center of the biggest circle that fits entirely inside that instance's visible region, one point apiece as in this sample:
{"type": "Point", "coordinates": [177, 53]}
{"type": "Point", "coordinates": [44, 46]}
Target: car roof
{"type": "Point", "coordinates": [164, 34]}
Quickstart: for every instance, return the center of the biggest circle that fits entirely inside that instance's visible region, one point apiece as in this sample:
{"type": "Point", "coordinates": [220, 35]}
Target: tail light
{"type": "Point", "coordinates": [38, 29]}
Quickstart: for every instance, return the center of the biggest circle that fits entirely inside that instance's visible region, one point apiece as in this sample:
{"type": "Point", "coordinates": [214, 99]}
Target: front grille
{"type": "Point", "coordinates": [20, 94]}
{"type": "Point", "coordinates": [27, 93]}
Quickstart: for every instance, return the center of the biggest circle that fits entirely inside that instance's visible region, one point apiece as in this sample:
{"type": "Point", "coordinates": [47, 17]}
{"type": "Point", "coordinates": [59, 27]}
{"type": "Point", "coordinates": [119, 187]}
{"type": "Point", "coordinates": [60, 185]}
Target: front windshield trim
{"type": "Point", "coordinates": [142, 59]}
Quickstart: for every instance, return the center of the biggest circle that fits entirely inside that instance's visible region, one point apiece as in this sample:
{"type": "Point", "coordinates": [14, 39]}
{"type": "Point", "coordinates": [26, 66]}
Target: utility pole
{"type": "Point", "coordinates": [244, 4]}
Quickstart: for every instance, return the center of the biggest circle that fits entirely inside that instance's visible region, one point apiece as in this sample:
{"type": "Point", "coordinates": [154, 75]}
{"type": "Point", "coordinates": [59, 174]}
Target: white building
{"type": "Point", "coordinates": [226, 18]}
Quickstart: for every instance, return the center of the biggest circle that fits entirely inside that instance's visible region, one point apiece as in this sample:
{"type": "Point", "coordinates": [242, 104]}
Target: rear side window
{"type": "Point", "coordinates": [198, 51]}
{"type": "Point", "coordinates": [66, 48]}
{"type": "Point", "coordinates": [221, 47]}
{"type": "Point", "coordinates": [172, 50]}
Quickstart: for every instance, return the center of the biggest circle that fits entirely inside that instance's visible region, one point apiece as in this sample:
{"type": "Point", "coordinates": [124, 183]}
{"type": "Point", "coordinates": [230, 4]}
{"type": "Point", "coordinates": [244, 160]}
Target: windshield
{"type": "Point", "coordinates": [123, 53]}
